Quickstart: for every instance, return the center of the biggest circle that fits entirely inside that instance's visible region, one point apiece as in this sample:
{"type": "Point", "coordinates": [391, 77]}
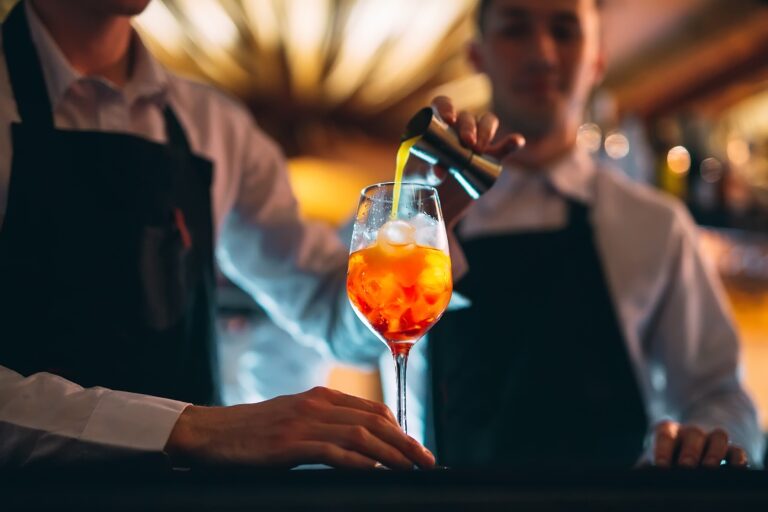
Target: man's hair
{"type": "Point", "coordinates": [482, 9]}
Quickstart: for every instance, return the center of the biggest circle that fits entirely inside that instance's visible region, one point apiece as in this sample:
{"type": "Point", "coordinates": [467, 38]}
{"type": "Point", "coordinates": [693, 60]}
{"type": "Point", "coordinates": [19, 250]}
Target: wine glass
{"type": "Point", "coordinates": [399, 275]}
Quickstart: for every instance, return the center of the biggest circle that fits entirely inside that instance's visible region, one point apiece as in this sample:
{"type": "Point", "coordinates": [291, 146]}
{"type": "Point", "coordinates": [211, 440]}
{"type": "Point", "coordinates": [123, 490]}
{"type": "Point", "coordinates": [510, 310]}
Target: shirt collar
{"type": "Point", "coordinates": [574, 176]}
{"type": "Point", "coordinates": [148, 78]}
{"type": "Point", "coordinates": [59, 75]}
{"type": "Point", "coordinates": [571, 176]}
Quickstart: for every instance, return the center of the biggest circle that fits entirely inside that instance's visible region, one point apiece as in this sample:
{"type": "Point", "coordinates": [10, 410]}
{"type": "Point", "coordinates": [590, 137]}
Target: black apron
{"type": "Point", "coordinates": [106, 252]}
{"type": "Point", "coordinates": [536, 372]}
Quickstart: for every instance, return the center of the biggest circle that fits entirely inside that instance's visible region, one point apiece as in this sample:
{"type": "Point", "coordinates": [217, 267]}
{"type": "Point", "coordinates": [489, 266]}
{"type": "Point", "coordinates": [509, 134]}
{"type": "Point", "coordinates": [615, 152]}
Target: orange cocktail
{"type": "Point", "coordinates": [399, 274]}
{"type": "Point", "coordinates": [400, 290]}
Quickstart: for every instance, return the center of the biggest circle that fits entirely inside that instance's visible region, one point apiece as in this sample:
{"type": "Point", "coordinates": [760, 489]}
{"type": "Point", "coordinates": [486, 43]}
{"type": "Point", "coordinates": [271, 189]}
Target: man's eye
{"type": "Point", "coordinates": [567, 32]}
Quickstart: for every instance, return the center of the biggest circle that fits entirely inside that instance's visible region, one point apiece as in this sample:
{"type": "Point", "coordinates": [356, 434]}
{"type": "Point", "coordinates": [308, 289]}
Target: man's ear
{"type": "Point", "coordinates": [475, 56]}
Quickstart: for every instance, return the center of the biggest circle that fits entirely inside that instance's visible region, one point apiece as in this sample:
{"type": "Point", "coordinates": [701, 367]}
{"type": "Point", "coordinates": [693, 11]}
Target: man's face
{"type": "Point", "coordinates": [543, 58]}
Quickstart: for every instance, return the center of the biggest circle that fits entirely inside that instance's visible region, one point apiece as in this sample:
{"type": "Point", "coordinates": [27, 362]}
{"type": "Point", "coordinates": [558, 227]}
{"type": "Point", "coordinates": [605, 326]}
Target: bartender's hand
{"type": "Point", "coordinates": [477, 133]}
{"type": "Point", "coordinates": [319, 426]}
{"type": "Point", "coordinates": [689, 446]}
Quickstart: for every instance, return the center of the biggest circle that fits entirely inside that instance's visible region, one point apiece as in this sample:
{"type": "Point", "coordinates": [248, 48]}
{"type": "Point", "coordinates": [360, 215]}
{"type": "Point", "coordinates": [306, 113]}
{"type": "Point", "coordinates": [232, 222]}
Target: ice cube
{"type": "Point", "coordinates": [427, 230]}
{"type": "Point", "coordinates": [397, 233]}
{"type": "Point", "coordinates": [422, 221]}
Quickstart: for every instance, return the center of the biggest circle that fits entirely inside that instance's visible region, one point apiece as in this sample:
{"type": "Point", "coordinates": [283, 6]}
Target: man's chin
{"type": "Point", "coordinates": [533, 119]}
{"type": "Point", "coordinates": [530, 159]}
{"type": "Point", "coordinates": [118, 7]}
{"type": "Point", "coordinates": [537, 126]}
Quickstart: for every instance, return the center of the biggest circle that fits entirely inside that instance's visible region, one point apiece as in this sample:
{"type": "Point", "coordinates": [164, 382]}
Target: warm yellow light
{"type": "Point", "coordinates": [159, 21]}
{"type": "Point", "coordinates": [679, 160]}
{"type": "Point", "coordinates": [738, 151]}
{"type": "Point", "coordinates": [326, 190]}
{"type": "Point", "coordinates": [264, 23]}
{"type": "Point", "coordinates": [423, 27]}
{"type": "Point", "coordinates": [368, 28]}
{"type": "Point", "coordinates": [616, 145]}
{"type": "Point", "coordinates": [306, 39]}
{"type": "Point", "coordinates": [469, 93]}
{"type": "Point", "coordinates": [211, 21]}
{"type": "Point", "coordinates": [364, 57]}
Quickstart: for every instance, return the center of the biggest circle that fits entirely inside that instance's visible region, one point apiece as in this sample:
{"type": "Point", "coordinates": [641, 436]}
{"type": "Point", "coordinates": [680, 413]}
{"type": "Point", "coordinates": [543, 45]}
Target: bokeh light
{"type": "Point", "coordinates": [616, 145]}
{"type": "Point", "coordinates": [738, 151]}
{"type": "Point", "coordinates": [589, 137]}
{"type": "Point", "coordinates": [711, 170]}
{"type": "Point", "coordinates": [679, 160]}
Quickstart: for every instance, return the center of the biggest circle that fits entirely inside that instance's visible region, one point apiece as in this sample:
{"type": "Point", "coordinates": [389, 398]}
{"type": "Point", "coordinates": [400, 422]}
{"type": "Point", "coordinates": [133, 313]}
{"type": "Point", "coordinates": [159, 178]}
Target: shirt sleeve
{"type": "Point", "coordinates": [45, 419]}
{"type": "Point", "coordinates": [694, 339]}
{"type": "Point", "coordinates": [295, 269]}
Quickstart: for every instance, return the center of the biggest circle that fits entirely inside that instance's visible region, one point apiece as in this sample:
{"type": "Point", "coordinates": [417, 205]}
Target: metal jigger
{"type": "Point", "coordinates": [440, 146]}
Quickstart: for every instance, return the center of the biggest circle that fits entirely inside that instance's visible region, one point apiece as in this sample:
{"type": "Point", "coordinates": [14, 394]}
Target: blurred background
{"type": "Point", "coordinates": [684, 107]}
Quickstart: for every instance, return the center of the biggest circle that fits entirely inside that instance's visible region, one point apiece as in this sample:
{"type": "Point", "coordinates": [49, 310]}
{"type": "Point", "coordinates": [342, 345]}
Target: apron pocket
{"type": "Point", "coordinates": [163, 273]}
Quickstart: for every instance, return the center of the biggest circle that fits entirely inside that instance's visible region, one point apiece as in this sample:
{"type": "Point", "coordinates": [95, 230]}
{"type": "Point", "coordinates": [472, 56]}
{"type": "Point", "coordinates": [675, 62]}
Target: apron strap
{"type": "Point", "coordinates": [578, 214]}
{"type": "Point", "coordinates": [177, 137]}
{"type": "Point", "coordinates": [24, 70]}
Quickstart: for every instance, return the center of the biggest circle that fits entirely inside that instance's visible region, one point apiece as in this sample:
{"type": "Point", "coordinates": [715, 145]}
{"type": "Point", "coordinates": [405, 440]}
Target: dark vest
{"type": "Point", "coordinates": [106, 252]}
{"type": "Point", "coordinates": [536, 372]}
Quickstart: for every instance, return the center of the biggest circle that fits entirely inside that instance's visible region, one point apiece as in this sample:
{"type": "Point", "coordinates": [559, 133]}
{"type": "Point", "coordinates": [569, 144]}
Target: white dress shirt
{"type": "Point", "coordinates": [295, 269]}
{"type": "Point", "coordinates": [672, 309]}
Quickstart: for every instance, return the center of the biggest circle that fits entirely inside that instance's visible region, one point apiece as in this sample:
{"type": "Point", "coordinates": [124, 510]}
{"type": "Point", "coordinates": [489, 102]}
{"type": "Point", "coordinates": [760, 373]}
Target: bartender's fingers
{"type": "Point", "coordinates": [664, 441]}
{"type": "Point", "coordinates": [373, 415]}
{"type": "Point", "coordinates": [716, 448]}
{"type": "Point", "coordinates": [360, 440]}
{"type": "Point", "coordinates": [692, 440]}
{"type": "Point", "coordinates": [466, 126]}
{"type": "Point", "coordinates": [506, 145]}
{"type": "Point", "coordinates": [317, 452]}
{"type": "Point", "coordinates": [383, 430]}
{"type": "Point", "coordinates": [486, 130]}
{"type": "Point", "coordinates": [353, 402]}
{"type": "Point", "coordinates": [445, 109]}
{"type": "Point", "coordinates": [737, 457]}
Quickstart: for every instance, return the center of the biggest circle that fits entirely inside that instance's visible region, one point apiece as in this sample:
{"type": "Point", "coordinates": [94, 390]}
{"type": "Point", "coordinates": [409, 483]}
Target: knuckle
{"type": "Point", "coordinates": [719, 433]}
{"type": "Point", "coordinates": [694, 432]}
{"type": "Point", "coordinates": [358, 435]}
{"type": "Point", "coordinates": [380, 423]}
{"type": "Point", "coordinates": [381, 409]}
{"type": "Point", "coordinates": [308, 407]}
{"type": "Point", "coordinates": [319, 392]}
{"type": "Point", "coordinates": [489, 118]}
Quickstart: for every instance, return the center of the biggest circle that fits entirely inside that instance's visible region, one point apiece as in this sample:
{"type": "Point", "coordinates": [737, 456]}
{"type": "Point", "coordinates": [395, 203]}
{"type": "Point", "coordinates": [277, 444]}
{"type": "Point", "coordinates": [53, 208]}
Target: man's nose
{"type": "Point", "coordinates": [542, 49]}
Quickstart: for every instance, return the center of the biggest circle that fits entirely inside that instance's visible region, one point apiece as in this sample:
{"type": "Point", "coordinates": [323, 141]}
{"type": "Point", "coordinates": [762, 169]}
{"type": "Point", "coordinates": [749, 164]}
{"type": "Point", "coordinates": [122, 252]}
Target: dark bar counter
{"type": "Point", "coordinates": [382, 490]}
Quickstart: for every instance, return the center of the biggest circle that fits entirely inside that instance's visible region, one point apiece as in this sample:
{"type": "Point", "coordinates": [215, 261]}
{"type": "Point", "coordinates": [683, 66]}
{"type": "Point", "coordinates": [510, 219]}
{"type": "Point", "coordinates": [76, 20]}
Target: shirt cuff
{"type": "Point", "coordinates": [133, 421]}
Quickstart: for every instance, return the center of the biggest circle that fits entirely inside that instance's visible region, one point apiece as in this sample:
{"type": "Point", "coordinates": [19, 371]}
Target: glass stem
{"type": "Point", "coordinates": [401, 361]}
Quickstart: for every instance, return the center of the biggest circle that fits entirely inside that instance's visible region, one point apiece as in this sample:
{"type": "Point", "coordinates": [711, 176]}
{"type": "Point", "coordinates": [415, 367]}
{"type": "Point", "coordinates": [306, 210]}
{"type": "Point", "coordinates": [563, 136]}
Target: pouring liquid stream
{"type": "Point", "coordinates": [402, 158]}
